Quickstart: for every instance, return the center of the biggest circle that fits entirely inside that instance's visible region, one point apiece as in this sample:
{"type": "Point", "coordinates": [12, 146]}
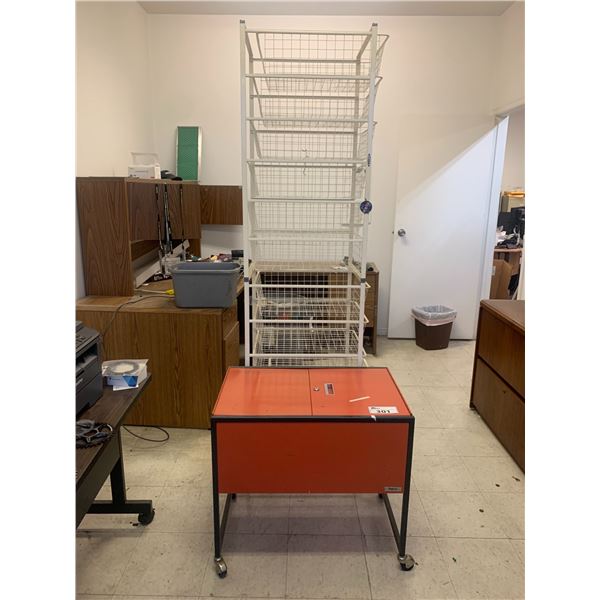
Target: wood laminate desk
{"type": "Point", "coordinates": [303, 431]}
{"type": "Point", "coordinates": [95, 464]}
{"type": "Point", "coordinates": [188, 351]}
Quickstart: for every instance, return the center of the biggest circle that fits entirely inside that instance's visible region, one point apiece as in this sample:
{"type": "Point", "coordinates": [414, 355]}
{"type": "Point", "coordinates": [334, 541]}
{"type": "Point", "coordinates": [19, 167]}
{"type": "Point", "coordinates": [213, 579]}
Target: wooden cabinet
{"type": "Point", "coordinates": [188, 351]}
{"type": "Point", "coordinates": [498, 386]}
{"type": "Point", "coordinates": [371, 304]}
{"type": "Point", "coordinates": [119, 217]}
{"type": "Point", "coordinates": [146, 209]}
{"type": "Point", "coordinates": [221, 204]}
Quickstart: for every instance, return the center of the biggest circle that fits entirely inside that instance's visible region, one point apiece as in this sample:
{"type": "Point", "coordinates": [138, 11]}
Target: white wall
{"type": "Point", "coordinates": [514, 163]}
{"type": "Point", "coordinates": [437, 80]}
{"type": "Point", "coordinates": [114, 113]}
{"type": "Point", "coordinates": [140, 75]}
{"type": "Point", "coordinates": [509, 83]}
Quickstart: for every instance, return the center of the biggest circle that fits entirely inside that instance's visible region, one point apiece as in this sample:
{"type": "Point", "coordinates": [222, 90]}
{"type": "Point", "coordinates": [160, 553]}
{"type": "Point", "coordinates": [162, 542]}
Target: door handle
{"type": "Point", "coordinates": [401, 232]}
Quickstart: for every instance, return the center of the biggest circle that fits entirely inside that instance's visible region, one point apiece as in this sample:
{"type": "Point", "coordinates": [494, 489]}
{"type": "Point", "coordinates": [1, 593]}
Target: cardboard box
{"type": "Point", "coordinates": [501, 274]}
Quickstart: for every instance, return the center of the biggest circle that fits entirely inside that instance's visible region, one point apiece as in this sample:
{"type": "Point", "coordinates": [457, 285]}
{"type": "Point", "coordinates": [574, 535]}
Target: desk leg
{"type": "Point", "coordinates": [119, 502]}
{"type": "Point", "coordinates": [407, 562]}
{"type": "Point", "coordinates": [218, 527]}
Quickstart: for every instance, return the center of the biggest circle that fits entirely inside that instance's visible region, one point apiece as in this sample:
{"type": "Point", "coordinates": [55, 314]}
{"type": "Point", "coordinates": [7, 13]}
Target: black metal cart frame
{"type": "Point", "coordinates": [406, 561]}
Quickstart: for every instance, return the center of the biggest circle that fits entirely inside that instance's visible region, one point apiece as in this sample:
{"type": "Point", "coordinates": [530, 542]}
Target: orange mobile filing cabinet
{"type": "Point", "coordinates": [302, 431]}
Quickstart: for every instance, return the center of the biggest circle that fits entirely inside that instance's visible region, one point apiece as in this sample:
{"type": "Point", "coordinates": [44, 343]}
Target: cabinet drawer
{"type": "Point", "coordinates": [231, 348]}
{"type": "Point", "coordinates": [503, 349]}
{"type": "Point", "coordinates": [230, 318]}
{"type": "Point", "coordinates": [501, 409]}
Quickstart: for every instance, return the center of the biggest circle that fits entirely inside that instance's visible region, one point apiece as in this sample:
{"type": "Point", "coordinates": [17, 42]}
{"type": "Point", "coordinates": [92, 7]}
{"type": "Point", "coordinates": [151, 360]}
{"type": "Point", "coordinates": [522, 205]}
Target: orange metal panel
{"type": "Point", "coordinates": [351, 391]}
{"type": "Point", "coordinates": [311, 457]}
{"type": "Point", "coordinates": [264, 392]}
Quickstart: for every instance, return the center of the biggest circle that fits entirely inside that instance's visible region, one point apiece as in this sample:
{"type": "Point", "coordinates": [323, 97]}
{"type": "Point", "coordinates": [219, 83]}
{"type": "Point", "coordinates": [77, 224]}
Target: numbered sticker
{"type": "Point", "coordinates": [383, 410]}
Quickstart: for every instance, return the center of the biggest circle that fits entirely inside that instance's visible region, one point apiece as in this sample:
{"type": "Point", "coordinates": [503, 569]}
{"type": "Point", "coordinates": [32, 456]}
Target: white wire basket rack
{"type": "Point", "coordinates": [307, 129]}
{"type": "Point", "coordinates": [312, 179]}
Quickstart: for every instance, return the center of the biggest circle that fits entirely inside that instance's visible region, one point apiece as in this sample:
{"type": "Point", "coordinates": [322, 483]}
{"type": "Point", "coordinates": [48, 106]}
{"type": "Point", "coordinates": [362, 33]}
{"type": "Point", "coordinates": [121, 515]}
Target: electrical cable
{"type": "Point", "coordinates": [133, 301]}
{"type": "Point", "coordinates": [149, 439]}
{"type": "Point", "coordinates": [182, 221]}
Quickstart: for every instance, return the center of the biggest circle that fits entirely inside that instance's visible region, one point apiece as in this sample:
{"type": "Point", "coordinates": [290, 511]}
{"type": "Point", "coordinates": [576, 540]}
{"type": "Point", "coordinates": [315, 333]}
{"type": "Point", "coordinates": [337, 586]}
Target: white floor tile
{"type": "Point", "coordinates": [256, 567]}
{"type": "Point", "coordinates": [184, 509]}
{"type": "Point", "coordinates": [458, 417]}
{"type": "Point", "coordinates": [496, 474]}
{"type": "Point", "coordinates": [374, 520]}
{"type": "Point", "coordinates": [442, 474]}
{"type": "Point", "coordinates": [486, 569]}
{"type": "Point", "coordinates": [511, 508]}
{"type": "Point", "coordinates": [259, 514]}
{"type": "Point", "coordinates": [326, 566]}
{"type": "Point", "coordinates": [434, 442]}
{"type": "Point", "coordinates": [324, 515]}
{"type": "Point", "coordinates": [166, 564]}
{"type": "Point", "coordinates": [461, 514]}
{"type": "Point", "coordinates": [519, 548]}
{"type": "Point", "coordinates": [475, 442]}
{"type": "Point", "coordinates": [102, 558]}
{"type": "Point", "coordinates": [428, 579]}
{"type": "Point", "coordinates": [452, 395]}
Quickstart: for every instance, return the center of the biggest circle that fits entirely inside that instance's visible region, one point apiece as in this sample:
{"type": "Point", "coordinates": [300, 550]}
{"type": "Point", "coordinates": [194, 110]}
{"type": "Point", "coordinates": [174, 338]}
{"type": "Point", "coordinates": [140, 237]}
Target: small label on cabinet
{"type": "Point", "coordinates": [383, 410]}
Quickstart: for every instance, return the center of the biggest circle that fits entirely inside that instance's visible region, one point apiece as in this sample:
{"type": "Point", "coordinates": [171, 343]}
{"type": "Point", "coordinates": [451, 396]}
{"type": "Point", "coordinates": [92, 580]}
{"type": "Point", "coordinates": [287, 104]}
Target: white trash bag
{"type": "Point", "coordinates": [435, 314]}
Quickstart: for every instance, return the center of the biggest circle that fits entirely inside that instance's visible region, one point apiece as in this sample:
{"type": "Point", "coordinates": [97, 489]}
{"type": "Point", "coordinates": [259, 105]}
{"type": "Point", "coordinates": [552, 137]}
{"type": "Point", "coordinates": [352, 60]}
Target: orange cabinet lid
{"type": "Point", "coordinates": [357, 391]}
{"type": "Point", "coordinates": [264, 392]}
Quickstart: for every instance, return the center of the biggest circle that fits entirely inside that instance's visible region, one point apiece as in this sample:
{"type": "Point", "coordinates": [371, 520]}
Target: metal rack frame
{"type": "Point", "coordinates": [307, 108]}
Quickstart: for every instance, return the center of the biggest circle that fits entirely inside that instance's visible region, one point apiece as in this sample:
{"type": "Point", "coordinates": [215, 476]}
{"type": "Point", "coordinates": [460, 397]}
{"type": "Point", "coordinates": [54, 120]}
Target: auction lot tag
{"type": "Point", "coordinates": [383, 410]}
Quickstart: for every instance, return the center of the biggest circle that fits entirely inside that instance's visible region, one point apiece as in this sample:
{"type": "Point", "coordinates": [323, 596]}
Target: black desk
{"type": "Point", "coordinates": [95, 464]}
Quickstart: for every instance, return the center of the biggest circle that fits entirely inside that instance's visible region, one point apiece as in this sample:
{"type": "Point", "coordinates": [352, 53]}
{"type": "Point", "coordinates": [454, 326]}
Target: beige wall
{"type": "Point", "coordinates": [114, 113]}
{"type": "Point", "coordinates": [509, 82]}
{"type": "Point", "coordinates": [440, 88]}
{"type": "Point", "coordinates": [437, 79]}
{"type": "Point", "coordinates": [514, 163]}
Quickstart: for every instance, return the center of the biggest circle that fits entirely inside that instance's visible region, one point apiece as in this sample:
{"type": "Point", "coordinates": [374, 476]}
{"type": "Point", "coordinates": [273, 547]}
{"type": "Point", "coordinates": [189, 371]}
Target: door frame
{"type": "Point", "coordinates": [489, 243]}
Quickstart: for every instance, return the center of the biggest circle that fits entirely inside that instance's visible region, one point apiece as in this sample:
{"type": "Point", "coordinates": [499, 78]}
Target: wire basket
{"type": "Point", "coordinates": [297, 140]}
{"type": "Point", "coordinates": [290, 181]}
{"type": "Point", "coordinates": [310, 52]}
{"type": "Point", "coordinates": [315, 217]}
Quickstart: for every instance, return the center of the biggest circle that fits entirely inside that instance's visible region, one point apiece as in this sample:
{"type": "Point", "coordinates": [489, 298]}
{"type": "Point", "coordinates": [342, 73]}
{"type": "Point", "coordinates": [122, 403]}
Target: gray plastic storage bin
{"type": "Point", "coordinates": [205, 284]}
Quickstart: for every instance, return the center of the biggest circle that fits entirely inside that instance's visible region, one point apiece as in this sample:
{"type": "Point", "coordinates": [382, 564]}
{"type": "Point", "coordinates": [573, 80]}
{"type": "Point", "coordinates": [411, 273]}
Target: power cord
{"type": "Point", "coordinates": [105, 331]}
{"type": "Point", "coordinates": [149, 439]}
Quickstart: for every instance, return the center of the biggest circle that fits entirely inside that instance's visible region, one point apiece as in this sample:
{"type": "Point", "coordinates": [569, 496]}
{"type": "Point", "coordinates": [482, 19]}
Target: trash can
{"type": "Point", "coordinates": [433, 325]}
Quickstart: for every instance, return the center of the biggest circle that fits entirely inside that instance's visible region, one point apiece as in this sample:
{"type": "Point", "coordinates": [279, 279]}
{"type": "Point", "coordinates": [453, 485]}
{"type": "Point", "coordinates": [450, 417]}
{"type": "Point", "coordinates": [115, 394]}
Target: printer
{"type": "Point", "coordinates": [88, 367]}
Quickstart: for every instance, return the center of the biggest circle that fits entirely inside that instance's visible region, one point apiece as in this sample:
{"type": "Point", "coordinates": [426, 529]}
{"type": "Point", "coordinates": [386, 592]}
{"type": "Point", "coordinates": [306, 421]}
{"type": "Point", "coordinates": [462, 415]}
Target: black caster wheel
{"type": "Point", "coordinates": [234, 496]}
{"type": "Point", "coordinates": [146, 518]}
{"type": "Point", "coordinates": [221, 567]}
{"type": "Point", "coordinates": [380, 496]}
{"type": "Point", "coordinates": [406, 562]}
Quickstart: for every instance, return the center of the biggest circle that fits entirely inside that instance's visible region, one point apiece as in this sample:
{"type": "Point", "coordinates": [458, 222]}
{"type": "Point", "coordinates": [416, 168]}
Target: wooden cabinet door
{"type": "Point", "coordinates": [147, 214]}
{"type": "Point", "coordinates": [145, 210]}
{"type": "Point", "coordinates": [184, 198]}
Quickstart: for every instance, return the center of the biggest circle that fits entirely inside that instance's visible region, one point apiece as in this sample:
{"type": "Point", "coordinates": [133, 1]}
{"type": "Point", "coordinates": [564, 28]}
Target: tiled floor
{"type": "Point", "coordinates": [466, 515]}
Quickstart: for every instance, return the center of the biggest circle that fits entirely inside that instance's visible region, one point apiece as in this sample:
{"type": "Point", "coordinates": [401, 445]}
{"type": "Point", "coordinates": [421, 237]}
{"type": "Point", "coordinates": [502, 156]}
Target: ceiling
{"type": "Point", "coordinates": [446, 8]}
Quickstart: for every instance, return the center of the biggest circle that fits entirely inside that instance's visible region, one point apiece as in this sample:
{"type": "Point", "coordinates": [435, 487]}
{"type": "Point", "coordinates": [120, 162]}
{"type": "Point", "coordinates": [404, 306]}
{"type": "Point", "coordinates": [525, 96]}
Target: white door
{"type": "Point", "coordinates": [444, 237]}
